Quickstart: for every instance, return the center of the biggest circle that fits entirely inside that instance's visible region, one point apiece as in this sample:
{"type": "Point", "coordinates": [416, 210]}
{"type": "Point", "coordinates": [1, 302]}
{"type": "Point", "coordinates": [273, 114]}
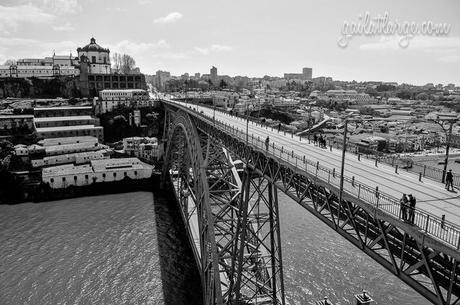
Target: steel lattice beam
{"type": "Point", "coordinates": [423, 262]}
{"type": "Point", "coordinates": [240, 261]}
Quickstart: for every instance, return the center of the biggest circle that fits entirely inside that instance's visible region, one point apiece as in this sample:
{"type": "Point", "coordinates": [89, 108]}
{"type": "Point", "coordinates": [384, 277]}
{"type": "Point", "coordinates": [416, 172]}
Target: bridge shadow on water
{"type": "Point", "coordinates": [179, 273]}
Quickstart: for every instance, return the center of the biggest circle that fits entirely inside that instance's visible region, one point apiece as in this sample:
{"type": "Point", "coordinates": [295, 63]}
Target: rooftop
{"type": "Point", "coordinates": [62, 108]}
{"type": "Point", "coordinates": [64, 118]}
{"type": "Point", "coordinates": [68, 140]}
{"type": "Point", "coordinates": [16, 116]}
{"type": "Point", "coordinates": [68, 169]}
{"type": "Point", "coordinates": [66, 128]}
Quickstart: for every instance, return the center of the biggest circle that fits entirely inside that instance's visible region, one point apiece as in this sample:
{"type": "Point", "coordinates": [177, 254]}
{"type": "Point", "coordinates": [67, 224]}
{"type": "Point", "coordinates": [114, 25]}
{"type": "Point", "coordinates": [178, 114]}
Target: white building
{"type": "Point", "coordinates": [106, 170]}
{"type": "Point", "coordinates": [27, 71]}
{"type": "Point", "coordinates": [143, 147]}
{"type": "Point", "coordinates": [111, 99]}
{"type": "Point", "coordinates": [97, 57]}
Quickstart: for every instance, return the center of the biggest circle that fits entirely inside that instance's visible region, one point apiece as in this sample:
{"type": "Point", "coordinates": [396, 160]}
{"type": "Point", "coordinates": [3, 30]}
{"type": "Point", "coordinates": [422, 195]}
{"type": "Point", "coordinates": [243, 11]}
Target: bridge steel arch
{"type": "Point", "coordinates": [232, 224]}
{"type": "Point", "coordinates": [427, 264]}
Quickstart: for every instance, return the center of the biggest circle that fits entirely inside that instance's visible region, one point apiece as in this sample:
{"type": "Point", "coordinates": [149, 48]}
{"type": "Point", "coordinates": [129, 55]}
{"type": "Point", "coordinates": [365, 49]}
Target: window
{"type": "Point", "coordinates": [93, 59]}
{"type": "Point", "coordinates": [75, 178]}
{"type": "Point", "coordinates": [103, 175]}
{"type": "Point", "coordinates": [135, 173]}
{"type": "Point", "coordinates": [52, 180]}
{"type": "Point", "coordinates": [114, 174]}
{"type": "Point", "coordinates": [63, 179]}
{"type": "Point", "coordinates": [86, 177]}
{"type": "Point", "coordinates": [125, 174]}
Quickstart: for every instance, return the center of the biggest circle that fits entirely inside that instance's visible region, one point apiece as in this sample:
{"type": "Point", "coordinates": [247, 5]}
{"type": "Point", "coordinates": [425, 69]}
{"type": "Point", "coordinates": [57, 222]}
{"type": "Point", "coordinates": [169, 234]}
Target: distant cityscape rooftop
{"type": "Point", "coordinates": [61, 108]}
{"type": "Point", "coordinates": [66, 128]}
{"type": "Point", "coordinates": [63, 118]}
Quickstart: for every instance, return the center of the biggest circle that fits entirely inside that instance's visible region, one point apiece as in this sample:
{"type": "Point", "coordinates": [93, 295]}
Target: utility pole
{"type": "Point", "coordinates": [247, 124]}
{"type": "Point", "coordinates": [344, 149]}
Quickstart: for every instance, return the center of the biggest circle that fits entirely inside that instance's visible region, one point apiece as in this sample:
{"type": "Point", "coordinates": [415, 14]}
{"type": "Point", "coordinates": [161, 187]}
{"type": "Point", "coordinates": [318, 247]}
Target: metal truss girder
{"type": "Point", "coordinates": [361, 227]}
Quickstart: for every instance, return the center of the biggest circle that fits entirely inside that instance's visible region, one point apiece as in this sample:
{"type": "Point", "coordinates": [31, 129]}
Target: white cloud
{"type": "Point", "coordinates": [134, 48]}
{"type": "Point", "coordinates": [62, 6]}
{"type": "Point", "coordinates": [426, 43]}
{"type": "Point", "coordinates": [216, 48]}
{"type": "Point", "coordinates": [12, 16]}
{"type": "Point", "coordinates": [66, 27]}
{"type": "Point", "coordinates": [27, 48]}
{"type": "Point", "coordinates": [450, 59]}
{"type": "Point", "coordinates": [171, 17]}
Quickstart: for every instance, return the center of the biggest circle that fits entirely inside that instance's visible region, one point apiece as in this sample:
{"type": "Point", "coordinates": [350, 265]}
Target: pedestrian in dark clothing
{"type": "Point", "coordinates": [315, 139]}
{"type": "Point", "coordinates": [267, 143]}
{"type": "Point", "coordinates": [412, 202]}
{"type": "Point", "coordinates": [449, 180]}
{"type": "Point", "coordinates": [404, 204]}
{"type": "Point", "coordinates": [279, 127]}
{"type": "Point", "coordinates": [320, 141]}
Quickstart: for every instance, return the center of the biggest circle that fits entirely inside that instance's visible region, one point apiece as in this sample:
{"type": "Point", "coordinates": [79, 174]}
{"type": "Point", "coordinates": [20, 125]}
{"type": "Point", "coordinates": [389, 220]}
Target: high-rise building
{"type": "Point", "coordinates": [214, 75]}
{"type": "Point", "coordinates": [307, 73]}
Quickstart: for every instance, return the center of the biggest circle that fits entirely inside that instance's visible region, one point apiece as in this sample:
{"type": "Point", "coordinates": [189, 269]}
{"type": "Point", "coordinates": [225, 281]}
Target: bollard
{"type": "Point", "coordinates": [333, 172]}
{"type": "Point", "coordinates": [292, 135]}
{"type": "Point", "coordinates": [304, 159]}
{"type": "Point", "coordinates": [282, 149]}
{"type": "Point", "coordinates": [317, 165]}
{"type": "Point", "coordinates": [353, 181]}
{"type": "Point", "coordinates": [292, 154]}
{"type": "Point", "coordinates": [420, 177]}
{"type": "Point", "coordinates": [376, 162]}
{"type": "Point", "coordinates": [424, 170]}
{"type": "Point", "coordinates": [359, 157]}
{"type": "Point", "coordinates": [363, 298]}
{"type": "Point", "coordinates": [300, 138]}
{"type": "Point", "coordinates": [330, 148]}
{"type": "Point", "coordinates": [443, 221]}
{"type": "Point", "coordinates": [396, 168]}
{"type": "Point", "coordinates": [284, 132]}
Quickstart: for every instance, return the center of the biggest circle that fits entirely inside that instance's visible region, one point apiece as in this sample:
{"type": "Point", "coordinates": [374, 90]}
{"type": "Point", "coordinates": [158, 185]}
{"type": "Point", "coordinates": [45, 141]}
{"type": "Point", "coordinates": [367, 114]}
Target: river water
{"type": "Point", "coordinates": [131, 249]}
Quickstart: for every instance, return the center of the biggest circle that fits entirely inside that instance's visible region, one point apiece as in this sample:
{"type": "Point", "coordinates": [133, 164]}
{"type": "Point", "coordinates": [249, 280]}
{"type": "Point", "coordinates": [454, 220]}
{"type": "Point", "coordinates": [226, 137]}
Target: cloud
{"type": "Point", "coordinates": [12, 16]}
{"type": "Point", "coordinates": [450, 59]}
{"type": "Point", "coordinates": [170, 18]}
{"type": "Point", "coordinates": [67, 27]}
{"type": "Point", "coordinates": [29, 48]}
{"type": "Point", "coordinates": [216, 48]}
{"type": "Point", "coordinates": [426, 43]}
{"type": "Point", "coordinates": [61, 7]}
{"type": "Point", "coordinates": [134, 48]}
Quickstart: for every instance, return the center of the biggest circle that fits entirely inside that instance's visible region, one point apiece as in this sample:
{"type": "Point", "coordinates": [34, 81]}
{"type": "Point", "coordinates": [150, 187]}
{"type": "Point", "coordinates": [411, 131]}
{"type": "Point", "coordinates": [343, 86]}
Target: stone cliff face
{"type": "Point", "coordinates": [66, 87]}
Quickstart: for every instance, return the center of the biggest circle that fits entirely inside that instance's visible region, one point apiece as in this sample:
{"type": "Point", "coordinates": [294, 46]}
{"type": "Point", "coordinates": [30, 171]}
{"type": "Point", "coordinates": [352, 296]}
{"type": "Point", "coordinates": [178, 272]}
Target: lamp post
{"type": "Point", "coordinates": [247, 124]}
{"type": "Point", "coordinates": [446, 159]}
{"type": "Point", "coordinates": [344, 149]}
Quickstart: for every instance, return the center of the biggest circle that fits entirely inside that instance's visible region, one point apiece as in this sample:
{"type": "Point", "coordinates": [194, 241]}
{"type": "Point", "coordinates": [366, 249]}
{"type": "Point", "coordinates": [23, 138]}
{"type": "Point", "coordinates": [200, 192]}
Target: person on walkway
{"type": "Point", "coordinates": [267, 143]}
{"type": "Point", "coordinates": [404, 203]}
{"type": "Point", "coordinates": [412, 202]}
{"type": "Point", "coordinates": [315, 139]}
{"type": "Point", "coordinates": [449, 180]}
{"type": "Point", "coordinates": [279, 127]}
{"type": "Point", "coordinates": [320, 141]}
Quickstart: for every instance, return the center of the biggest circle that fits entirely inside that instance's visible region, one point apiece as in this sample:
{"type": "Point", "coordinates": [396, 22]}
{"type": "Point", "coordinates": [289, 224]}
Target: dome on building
{"type": "Point", "coordinates": [93, 46]}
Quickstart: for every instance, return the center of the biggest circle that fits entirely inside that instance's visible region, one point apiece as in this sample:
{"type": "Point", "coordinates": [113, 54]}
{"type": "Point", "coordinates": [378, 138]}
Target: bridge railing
{"type": "Point", "coordinates": [431, 224]}
{"type": "Point", "coordinates": [407, 164]}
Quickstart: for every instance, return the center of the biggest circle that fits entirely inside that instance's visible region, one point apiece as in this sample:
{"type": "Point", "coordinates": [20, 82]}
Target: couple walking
{"type": "Point", "coordinates": [408, 208]}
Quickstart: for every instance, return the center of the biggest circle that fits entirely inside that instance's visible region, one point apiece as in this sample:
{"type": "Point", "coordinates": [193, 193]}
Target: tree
{"type": "Point", "coordinates": [223, 84]}
{"type": "Point", "coordinates": [10, 62]}
{"type": "Point", "coordinates": [123, 63]}
{"type": "Point", "coordinates": [116, 62]}
{"type": "Point", "coordinates": [127, 64]}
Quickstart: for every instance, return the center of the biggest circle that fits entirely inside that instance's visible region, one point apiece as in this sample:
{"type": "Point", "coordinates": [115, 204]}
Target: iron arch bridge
{"type": "Point", "coordinates": [226, 184]}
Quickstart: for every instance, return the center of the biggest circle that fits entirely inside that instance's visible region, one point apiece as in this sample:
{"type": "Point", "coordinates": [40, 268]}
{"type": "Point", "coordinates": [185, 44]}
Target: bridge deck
{"type": "Point", "coordinates": [431, 196]}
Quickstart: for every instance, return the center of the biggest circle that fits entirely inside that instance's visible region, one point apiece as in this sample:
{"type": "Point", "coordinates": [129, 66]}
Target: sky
{"type": "Point", "coordinates": [244, 37]}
